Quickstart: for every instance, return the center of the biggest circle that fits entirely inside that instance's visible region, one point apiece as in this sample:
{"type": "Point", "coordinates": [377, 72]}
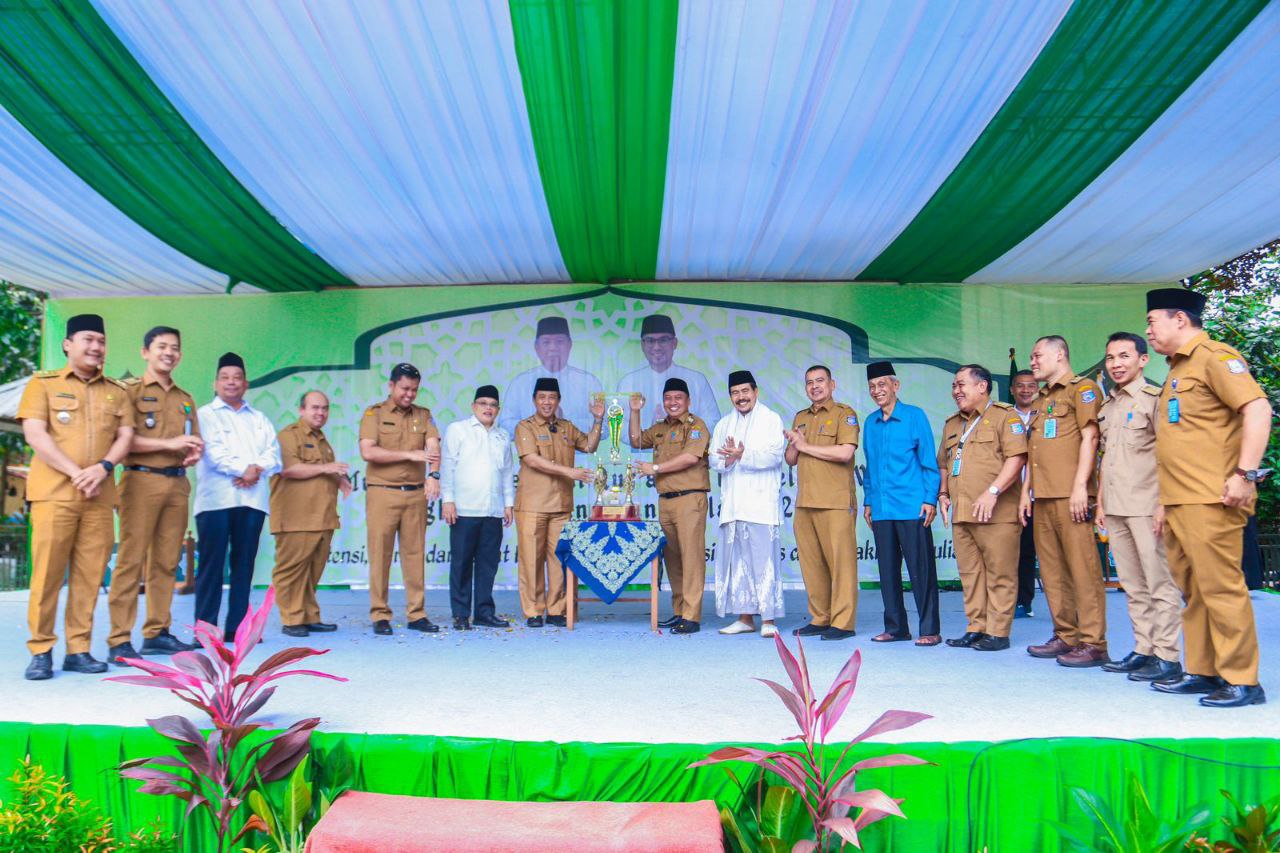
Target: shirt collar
{"type": "Point", "coordinates": [219, 403]}
{"type": "Point", "coordinates": [1190, 346]}
{"type": "Point", "coordinates": [893, 416]}
{"type": "Point", "coordinates": [150, 378]}
{"type": "Point", "coordinates": [1133, 386]}
{"type": "Point", "coordinates": [814, 408]}
{"type": "Point", "coordinates": [306, 428]}
{"type": "Point", "coordinates": [68, 373]}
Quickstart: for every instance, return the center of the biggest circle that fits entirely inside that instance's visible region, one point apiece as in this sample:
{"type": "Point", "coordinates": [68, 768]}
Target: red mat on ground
{"type": "Point", "coordinates": [364, 823]}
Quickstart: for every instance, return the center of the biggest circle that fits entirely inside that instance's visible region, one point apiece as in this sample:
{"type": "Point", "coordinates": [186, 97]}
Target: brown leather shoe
{"type": "Point", "coordinates": [1051, 649]}
{"type": "Point", "coordinates": [1084, 655]}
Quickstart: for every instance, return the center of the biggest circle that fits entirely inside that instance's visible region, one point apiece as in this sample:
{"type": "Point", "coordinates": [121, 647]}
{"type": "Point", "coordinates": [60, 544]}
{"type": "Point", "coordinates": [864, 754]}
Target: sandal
{"type": "Point", "coordinates": [886, 637]}
{"type": "Point", "coordinates": [929, 640]}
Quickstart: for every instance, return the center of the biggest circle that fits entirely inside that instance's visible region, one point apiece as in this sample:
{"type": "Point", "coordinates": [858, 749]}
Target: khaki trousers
{"type": "Point", "coordinates": [300, 560]}
{"type": "Point", "coordinates": [1071, 574]}
{"type": "Point", "coordinates": [153, 521]}
{"type": "Point", "coordinates": [392, 513]}
{"type": "Point", "coordinates": [684, 523]}
{"type": "Point", "coordinates": [1204, 543]}
{"type": "Point", "coordinates": [1155, 604]}
{"type": "Point", "coordinates": [70, 540]}
{"type": "Point", "coordinates": [987, 557]}
{"type": "Point", "coordinates": [828, 552]}
{"type": "Point", "coordinates": [536, 536]}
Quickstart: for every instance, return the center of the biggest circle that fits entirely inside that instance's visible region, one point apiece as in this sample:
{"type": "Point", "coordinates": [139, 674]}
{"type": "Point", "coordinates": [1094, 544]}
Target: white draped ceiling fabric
{"type": "Point", "coordinates": [397, 142]}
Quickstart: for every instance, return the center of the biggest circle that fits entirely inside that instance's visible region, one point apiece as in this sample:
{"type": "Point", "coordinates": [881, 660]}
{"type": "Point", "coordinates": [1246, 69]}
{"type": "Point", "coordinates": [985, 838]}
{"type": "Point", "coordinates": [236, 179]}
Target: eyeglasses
{"type": "Point", "coordinates": [658, 339]}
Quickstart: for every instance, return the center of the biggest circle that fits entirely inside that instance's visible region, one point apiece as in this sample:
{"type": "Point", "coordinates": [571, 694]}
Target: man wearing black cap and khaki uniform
{"type": "Point", "coordinates": [546, 445]}
{"type": "Point", "coordinates": [1213, 425]}
{"type": "Point", "coordinates": [658, 342]}
{"type": "Point", "coordinates": [553, 345]}
{"type": "Point", "coordinates": [79, 424]}
{"type": "Point", "coordinates": [683, 480]}
{"type": "Point", "coordinates": [400, 442]}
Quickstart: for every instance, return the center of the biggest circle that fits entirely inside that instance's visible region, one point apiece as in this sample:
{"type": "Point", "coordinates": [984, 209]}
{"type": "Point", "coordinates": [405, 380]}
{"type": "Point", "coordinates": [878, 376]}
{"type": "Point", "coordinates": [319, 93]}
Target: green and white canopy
{"type": "Point", "coordinates": [182, 146]}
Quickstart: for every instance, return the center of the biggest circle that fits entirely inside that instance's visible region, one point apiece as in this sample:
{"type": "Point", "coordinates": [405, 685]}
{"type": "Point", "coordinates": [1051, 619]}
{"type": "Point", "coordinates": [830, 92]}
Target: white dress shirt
{"type": "Point", "coordinates": [234, 439]}
{"type": "Point", "coordinates": [649, 382]}
{"type": "Point", "coordinates": [750, 489]}
{"type": "Point", "coordinates": [477, 469]}
{"type": "Point", "coordinates": [576, 388]}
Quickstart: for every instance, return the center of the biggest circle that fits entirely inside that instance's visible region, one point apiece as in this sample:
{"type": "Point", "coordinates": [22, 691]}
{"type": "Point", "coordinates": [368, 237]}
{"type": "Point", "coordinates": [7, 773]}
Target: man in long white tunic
{"type": "Point", "coordinates": [749, 445]}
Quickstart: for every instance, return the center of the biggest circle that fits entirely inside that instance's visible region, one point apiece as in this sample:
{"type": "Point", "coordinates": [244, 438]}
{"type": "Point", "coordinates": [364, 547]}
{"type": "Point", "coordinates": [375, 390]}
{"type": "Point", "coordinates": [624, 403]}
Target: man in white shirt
{"type": "Point", "coordinates": [553, 345]}
{"type": "Point", "coordinates": [1024, 389]}
{"type": "Point", "coordinates": [658, 341]}
{"type": "Point", "coordinates": [477, 486]}
{"type": "Point", "coordinates": [749, 444]}
{"type": "Point", "coordinates": [232, 493]}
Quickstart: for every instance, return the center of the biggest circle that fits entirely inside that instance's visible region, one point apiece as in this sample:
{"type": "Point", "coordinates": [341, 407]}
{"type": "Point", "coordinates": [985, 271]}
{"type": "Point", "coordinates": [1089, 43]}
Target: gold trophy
{"type": "Point", "coordinates": [615, 475]}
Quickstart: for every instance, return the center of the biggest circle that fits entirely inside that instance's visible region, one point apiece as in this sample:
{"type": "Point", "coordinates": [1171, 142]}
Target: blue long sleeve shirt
{"type": "Point", "coordinates": [902, 463]}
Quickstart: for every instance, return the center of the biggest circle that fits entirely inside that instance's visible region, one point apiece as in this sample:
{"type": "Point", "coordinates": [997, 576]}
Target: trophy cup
{"type": "Point", "coordinates": [615, 475]}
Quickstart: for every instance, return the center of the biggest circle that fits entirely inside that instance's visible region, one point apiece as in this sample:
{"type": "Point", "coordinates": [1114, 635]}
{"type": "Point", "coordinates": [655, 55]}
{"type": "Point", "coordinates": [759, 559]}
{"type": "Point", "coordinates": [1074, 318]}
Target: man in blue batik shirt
{"type": "Point", "coordinates": [900, 494]}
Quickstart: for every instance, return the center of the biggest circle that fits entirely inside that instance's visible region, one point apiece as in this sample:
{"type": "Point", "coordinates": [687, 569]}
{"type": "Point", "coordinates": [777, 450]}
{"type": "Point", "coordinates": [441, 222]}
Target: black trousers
{"type": "Point", "coordinates": [910, 539]}
{"type": "Point", "coordinates": [1027, 566]}
{"type": "Point", "coordinates": [241, 528]}
{"type": "Point", "coordinates": [473, 562]}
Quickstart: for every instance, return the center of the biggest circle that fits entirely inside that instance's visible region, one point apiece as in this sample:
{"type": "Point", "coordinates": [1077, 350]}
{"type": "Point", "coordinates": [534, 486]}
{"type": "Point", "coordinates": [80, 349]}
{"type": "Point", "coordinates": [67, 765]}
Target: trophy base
{"type": "Point", "coordinates": [621, 512]}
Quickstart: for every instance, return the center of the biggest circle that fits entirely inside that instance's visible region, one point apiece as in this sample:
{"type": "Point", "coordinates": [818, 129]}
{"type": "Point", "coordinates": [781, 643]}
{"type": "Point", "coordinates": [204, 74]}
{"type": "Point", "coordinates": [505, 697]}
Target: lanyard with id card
{"type": "Point", "coordinates": [955, 463]}
{"type": "Point", "coordinates": [1175, 410]}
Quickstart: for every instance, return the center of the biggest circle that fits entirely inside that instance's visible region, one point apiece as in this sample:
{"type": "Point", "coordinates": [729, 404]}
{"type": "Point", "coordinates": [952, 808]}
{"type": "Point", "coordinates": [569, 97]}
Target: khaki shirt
{"type": "Point", "coordinates": [84, 419]}
{"type": "Point", "coordinates": [1071, 406]}
{"type": "Point", "coordinates": [1196, 455]}
{"type": "Point", "coordinates": [822, 484]}
{"type": "Point", "coordinates": [1128, 471]}
{"type": "Point", "coordinates": [535, 490]}
{"type": "Point", "coordinates": [670, 439]}
{"type": "Point", "coordinates": [304, 505]}
{"type": "Point", "coordinates": [160, 414]}
{"type": "Point", "coordinates": [391, 428]}
{"type": "Point", "coordinates": [999, 435]}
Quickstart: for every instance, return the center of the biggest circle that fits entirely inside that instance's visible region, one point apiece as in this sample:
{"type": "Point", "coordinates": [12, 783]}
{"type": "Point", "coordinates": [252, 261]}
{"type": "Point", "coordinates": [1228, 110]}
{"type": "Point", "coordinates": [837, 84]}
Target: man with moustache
{"type": "Point", "coordinates": [658, 341]}
{"type": "Point", "coordinates": [546, 444]}
{"type": "Point", "coordinates": [154, 497]}
{"type": "Point", "coordinates": [980, 457]}
{"type": "Point", "coordinates": [1025, 389]}
{"type": "Point", "coordinates": [1062, 448]}
{"type": "Point", "coordinates": [304, 514]}
{"type": "Point", "coordinates": [232, 498]}
{"type": "Point", "coordinates": [477, 486]}
{"type": "Point", "coordinates": [679, 468]}
{"type": "Point", "coordinates": [79, 424]}
{"type": "Point", "coordinates": [553, 345]}
{"type": "Point", "coordinates": [401, 443]}
{"type": "Point", "coordinates": [1215, 422]}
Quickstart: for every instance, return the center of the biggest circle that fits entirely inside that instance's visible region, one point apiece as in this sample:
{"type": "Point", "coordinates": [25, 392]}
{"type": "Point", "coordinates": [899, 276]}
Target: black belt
{"type": "Point", "coordinates": [397, 488]}
{"type": "Point", "coordinates": [167, 472]}
{"type": "Point", "coordinates": [682, 494]}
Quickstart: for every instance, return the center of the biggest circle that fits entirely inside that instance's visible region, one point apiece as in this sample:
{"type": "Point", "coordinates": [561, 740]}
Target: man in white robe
{"type": "Point", "coordinates": [749, 445]}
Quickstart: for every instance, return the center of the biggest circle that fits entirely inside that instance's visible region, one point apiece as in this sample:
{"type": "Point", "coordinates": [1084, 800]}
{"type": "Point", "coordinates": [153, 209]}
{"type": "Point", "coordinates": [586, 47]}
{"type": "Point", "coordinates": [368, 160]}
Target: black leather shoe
{"type": "Point", "coordinates": [966, 640]}
{"type": "Point", "coordinates": [533, 622]}
{"type": "Point", "coordinates": [669, 623]}
{"type": "Point", "coordinates": [491, 622]}
{"type": "Point", "coordinates": [1235, 696]}
{"type": "Point", "coordinates": [686, 627]}
{"type": "Point", "coordinates": [424, 625]}
{"type": "Point", "coordinates": [165, 643]}
{"type": "Point", "coordinates": [1129, 663]}
{"type": "Point", "coordinates": [1187, 684]}
{"type": "Point", "coordinates": [83, 662]}
{"type": "Point", "coordinates": [295, 631]}
{"type": "Point", "coordinates": [834, 633]}
{"type": "Point", "coordinates": [383, 627]}
{"type": "Point", "coordinates": [989, 643]}
{"type": "Point", "coordinates": [558, 621]}
{"type": "Point", "coordinates": [810, 630]}
{"type": "Point", "coordinates": [460, 623]}
{"type": "Point", "coordinates": [1157, 670]}
{"type": "Point", "coordinates": [321, 627]}
{"type": "Point", "coordinates": [40, 668]}
{"type": "Point", "coordinates": [124, 650]}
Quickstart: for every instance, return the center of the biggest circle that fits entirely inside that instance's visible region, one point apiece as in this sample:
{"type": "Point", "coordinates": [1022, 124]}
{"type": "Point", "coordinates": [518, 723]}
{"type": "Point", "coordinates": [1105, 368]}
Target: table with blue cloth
{"type": "Point", "coordinates": [608, 555]}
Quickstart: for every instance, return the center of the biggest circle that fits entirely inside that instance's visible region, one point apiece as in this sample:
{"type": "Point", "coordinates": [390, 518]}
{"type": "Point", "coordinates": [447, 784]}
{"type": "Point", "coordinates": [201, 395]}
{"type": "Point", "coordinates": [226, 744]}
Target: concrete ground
{"type": "Point", "coordinates": [613, 680]}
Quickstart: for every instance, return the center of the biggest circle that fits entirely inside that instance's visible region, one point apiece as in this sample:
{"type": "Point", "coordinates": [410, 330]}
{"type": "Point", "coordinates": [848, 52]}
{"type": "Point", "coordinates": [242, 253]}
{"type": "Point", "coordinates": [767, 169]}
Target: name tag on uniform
{"type": "Point", "coordinates": [1175, 413]}
{"type": "Point", "coordinates": [1050, 428]}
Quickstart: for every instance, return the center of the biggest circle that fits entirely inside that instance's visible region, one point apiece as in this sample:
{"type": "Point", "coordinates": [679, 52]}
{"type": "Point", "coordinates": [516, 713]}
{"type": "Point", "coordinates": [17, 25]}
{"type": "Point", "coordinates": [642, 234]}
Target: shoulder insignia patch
{"type": "Point", "coordinates": [1236, 365]}
{"type": "Point", "coordinates": [852, 420]}
{"type": "Point", "coordinates": [1088, 395]}
{"type": "Point", "coordinates": [1016, 427]}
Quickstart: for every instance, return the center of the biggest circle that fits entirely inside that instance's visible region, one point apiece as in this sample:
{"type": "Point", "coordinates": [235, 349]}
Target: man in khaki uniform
{"type": "Point", "coordinates": [154, 498]}
{"type": "Point", "coordinates": [78, 423]}
{"type": "Point", "coordinates": [1062, 448]}
{"type": "Point", "coordinates": [400, 442]}
{"type": "Point", "coordinates": [980, 457]}
{"type": "Point", "coordinates": [821, 444]}
{"type": "Point", "coordinates": [1127, 500]}
{"type": "Point", "coordinates": [304, 514]}
{"type": "Point", "coordinates": [683, 480]}
{"type": "Point", "coordinates": [544, 498]}
{"type": "Point", "coordinates": [1214, 423]}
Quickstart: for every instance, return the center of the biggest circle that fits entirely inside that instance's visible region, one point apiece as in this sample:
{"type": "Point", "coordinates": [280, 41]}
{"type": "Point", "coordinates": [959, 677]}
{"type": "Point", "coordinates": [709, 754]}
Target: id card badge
{"type": "Point", "coordinates": [1051, 428]}
{"type": "Point", "coordinates": [955, 466]}
{"type": "Point", "coordinates": [1175, 414]}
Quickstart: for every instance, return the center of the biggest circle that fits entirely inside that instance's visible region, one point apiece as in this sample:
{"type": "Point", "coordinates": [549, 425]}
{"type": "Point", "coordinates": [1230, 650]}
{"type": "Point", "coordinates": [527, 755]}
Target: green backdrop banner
{"type": "Point", "coordinates": [992, 796]}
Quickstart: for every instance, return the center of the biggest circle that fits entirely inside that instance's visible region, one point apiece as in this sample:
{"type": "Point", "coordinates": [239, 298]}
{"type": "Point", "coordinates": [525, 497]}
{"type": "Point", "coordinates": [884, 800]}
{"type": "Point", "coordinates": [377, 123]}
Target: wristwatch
{"type": "Point", "coordinates": [108, 464]}
{"type": "Point", "coordinates": [435, 475]}
{"type": "Point", "coordinates": [1255, 475]}
{"type": "Point", "coordinates": [993, 490]}
{"type": "Point", "coordinates": [655, 467]}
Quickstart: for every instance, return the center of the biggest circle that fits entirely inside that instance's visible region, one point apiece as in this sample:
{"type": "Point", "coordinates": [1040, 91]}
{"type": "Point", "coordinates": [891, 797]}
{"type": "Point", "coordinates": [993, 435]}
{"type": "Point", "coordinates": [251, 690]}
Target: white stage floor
{"type": "Point", "coordinates": [613, 680]}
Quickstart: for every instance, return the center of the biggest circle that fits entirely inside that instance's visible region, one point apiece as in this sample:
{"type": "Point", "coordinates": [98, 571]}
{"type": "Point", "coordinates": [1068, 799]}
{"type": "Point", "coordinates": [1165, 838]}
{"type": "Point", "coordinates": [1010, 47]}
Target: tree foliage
{"type": "Point", "coordinates": [21, 311]}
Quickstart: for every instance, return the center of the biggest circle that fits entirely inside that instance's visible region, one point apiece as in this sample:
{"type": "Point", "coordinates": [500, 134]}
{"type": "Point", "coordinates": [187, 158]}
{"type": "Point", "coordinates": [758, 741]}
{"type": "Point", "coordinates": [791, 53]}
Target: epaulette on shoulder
{"type": "Point", "coordinates": [1076, 380]}
{"type": "Point", "coordinates": [1001, 404]}
{"type": "Point", "coordinates": [802, 411]}
{"type": "Point", "coordinates": [118, 382]}
{"type": "Point", "coordinates": [45, 374]}
{"type": "Point", "coordinates": [372, 410]}
{"type": "Point", "coordinates": [1153, 390]}
{"type": "Point", "coordinates": [131, 381]}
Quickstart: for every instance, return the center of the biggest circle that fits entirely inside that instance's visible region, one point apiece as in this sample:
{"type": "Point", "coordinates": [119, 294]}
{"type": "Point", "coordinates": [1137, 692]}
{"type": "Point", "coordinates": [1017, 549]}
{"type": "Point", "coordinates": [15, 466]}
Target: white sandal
{"type": "Point", "coordinates": [737, 626]}
{"type": "Point", "coordinates": [768, 630]}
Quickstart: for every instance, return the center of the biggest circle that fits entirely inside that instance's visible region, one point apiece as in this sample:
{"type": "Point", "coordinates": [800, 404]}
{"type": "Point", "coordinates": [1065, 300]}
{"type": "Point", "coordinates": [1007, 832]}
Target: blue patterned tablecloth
{"type": "Point", "coordinates": [607, 555]}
